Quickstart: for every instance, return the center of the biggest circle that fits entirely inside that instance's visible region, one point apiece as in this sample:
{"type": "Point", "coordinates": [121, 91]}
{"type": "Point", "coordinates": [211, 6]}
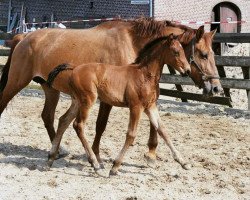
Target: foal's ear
{"type": "Point", "coordinates": [170, 38]}
{"type": "Point", "coordinates": [199, 33]}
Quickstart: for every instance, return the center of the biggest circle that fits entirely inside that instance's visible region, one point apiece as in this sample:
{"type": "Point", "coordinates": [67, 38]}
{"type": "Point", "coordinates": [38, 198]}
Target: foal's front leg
{"type": "Point", "coordinates": [135, 114]}
{"type": "Point", "coordinates": [155, 119]}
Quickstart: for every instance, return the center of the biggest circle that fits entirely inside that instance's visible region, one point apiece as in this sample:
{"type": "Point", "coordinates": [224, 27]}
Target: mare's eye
{"type": "Point", "coordinates": [204, 55]}
{"type": "Point", "coordinates": [176, 53]}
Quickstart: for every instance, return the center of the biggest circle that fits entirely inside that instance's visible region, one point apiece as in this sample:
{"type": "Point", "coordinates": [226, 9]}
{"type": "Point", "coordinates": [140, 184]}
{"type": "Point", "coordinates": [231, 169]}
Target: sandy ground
{"type": "Point", "coordinates": [214, 139]}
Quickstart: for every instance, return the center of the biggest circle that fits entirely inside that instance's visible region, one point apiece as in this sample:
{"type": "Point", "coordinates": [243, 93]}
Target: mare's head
{"type": "Point", "coordinates": [198, 50]}
{"type": "Point", "coordinates": [196, 43]}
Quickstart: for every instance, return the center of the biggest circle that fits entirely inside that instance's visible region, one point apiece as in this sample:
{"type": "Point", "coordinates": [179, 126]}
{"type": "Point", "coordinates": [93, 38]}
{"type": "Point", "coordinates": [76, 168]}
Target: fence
{"type": "Point", "coordinates": [221, 61]}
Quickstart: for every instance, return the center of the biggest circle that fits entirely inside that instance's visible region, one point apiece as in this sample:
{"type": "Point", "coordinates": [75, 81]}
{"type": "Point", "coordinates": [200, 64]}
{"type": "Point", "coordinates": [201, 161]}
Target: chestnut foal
{"type": "Point", "coordinates": [135, 86]}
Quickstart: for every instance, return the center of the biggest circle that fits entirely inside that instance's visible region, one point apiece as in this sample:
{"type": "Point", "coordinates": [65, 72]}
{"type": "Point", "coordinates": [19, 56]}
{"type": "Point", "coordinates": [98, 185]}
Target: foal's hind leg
{"type": "Point", "coordinates": [78, 125]}
{"type": "Point", "coordinates": [101, 124]}
{"type": "Point", "coordinates": [48, 114]}
{"type": "Point", "coordinates": [154, 118]}
{"type": "Point", "coordinates": [64, 122]}
{"type": "Point", "coordinates": [152, 145]}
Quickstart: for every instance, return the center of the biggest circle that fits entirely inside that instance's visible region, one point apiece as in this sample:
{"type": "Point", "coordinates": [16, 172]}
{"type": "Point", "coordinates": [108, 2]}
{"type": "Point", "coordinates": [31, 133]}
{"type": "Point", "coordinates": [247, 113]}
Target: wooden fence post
{"type": "Point", "coordinates": [248, 91]}
{"type": "Point", "coordinates": [178, 87]}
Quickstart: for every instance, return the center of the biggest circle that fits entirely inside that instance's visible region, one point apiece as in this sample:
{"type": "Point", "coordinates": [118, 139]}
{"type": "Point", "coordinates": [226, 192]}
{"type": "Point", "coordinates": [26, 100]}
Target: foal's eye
{"type": "Point", "coordinates": [204, 55]}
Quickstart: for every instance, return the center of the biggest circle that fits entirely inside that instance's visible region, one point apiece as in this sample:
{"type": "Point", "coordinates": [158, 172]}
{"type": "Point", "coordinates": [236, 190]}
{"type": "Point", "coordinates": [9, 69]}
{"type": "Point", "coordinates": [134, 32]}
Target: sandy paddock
{"type": "Point", "coordinates": [214, 139]}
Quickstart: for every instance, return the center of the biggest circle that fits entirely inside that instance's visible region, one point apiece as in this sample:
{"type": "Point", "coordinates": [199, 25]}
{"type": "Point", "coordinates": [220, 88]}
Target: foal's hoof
{"type": "Point", "coordinates": [46, 168]}
{"type": "Point", "coordinates": [151, 162]}
{"type": "Point", "coordinates": [113, 172]}
{"type": "Point", "coordinates": [100, 173]}
{"type": "Point", "coordinates": [49, 163]}
{"type": "Point", "coordinates": [62, 153]}
{"type": "Point", "coordinates": [101, 165]}
{"type": "Point", "coordinates": [186, 166]}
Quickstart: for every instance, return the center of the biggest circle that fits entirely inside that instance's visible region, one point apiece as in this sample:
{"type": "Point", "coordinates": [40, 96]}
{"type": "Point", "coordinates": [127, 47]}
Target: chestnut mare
{"type": "Point", "coordinates": [114, 42]}
{"type": "Point", "coordinates": [136, 88]}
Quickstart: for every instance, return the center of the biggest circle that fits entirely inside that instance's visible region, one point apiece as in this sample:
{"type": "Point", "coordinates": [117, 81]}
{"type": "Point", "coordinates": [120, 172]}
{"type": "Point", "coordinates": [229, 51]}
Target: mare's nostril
{"type": "Point", "coordinates": [215, 89]}
{"type": "Point", "coordinates": [188, 72]}
{"type": "Point", "coordinates": [184, 74]}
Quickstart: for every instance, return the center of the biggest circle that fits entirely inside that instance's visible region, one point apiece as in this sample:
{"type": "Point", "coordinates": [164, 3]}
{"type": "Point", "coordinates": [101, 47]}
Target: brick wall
{"type": "Point", "coordinates": [197, 10]}
{"type": "Point", "coordinates": [74, 9]}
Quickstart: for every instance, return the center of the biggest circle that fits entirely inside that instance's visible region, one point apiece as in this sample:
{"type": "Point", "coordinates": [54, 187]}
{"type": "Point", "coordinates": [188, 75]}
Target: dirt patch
{"type": "Point", "coordinates": [214, 139]}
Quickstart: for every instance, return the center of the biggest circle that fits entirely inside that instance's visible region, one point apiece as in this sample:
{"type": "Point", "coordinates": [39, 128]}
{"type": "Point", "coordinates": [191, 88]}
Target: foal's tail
{"type": "Point", "coordinates": [5, 70]}
{"type": "Point", "coordinates": [53, 74]}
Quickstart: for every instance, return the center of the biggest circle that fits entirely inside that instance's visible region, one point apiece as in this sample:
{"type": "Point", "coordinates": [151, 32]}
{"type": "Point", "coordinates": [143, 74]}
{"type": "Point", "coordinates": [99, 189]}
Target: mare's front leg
{"type": "Point", "coordinates": [155, 119]}
{"type": "Point", "coordinates": [101, 124]}
{"type": "Point", "coordinates": [135, 114]}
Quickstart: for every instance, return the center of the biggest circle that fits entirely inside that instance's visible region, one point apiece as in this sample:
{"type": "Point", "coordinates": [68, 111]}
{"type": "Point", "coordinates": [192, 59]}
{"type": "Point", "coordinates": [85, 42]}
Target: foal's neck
{"type": "Point", "coordinates": [154, 66]}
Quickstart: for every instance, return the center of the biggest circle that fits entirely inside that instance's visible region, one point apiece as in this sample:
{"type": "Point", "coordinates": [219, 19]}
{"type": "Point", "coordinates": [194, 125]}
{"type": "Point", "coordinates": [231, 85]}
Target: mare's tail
{"type": "Point", "coordinates": [5, 70]}
{"type": "Point", "coordinates": [53, 74]}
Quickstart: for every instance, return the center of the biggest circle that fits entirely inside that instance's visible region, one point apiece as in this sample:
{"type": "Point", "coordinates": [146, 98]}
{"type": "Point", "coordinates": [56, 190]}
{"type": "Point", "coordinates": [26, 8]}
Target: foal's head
{"type": "Point", "coordinates": [164, 50]}
{"type": "Point", "coordinates": [175, 56]}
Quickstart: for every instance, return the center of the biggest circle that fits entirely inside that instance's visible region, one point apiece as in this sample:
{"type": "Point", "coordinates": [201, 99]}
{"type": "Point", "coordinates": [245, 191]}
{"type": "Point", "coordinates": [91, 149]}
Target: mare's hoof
{"type": "Point", "coordinates": [62, 153]}
{"type": "Point", "coordinates": [113, 172]}
{"type": "Point", "coordinates": [186, 166]}
{"type": "Point", "coordinates": [151, 162]}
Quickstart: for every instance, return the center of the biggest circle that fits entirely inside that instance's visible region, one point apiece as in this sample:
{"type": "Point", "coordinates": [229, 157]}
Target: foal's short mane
{"type": "Point", "coordinates": [148, 52]}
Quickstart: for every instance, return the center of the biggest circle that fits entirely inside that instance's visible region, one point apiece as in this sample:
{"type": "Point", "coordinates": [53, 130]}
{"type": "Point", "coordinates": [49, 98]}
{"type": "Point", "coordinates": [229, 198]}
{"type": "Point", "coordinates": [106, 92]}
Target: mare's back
{"type": "Point", "coordinates": [102, 44]}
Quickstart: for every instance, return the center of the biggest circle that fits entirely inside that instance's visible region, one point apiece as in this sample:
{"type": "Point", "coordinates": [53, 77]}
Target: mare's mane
{"type": "Point", "coordinates": [188, 34]}
{"type": "Point", "coordinates": [148, 27]}
{"type": "Point", "coordinates": [149, 51]}
{"type": "Point", "coordinates": [181, 26]}
{"type": "Point", "coordinates": [152, 28]}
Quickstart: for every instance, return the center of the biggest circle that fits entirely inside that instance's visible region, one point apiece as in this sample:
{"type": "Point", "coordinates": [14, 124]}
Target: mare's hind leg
{"type": "Point", "coordinates": [11, 89]}
{"type": "Point", "coordinates": [154, 118]}
{"type": "Point", "coordinates": [48, 114]}
{"type": "Point", "coordinates": [64, 122]}
{"type": "Point", "coordinates": [101, 124]}
{"type": "Point", "coordinates": [152, 145]}
{"type": "Point", "coordinates": [135, 114]}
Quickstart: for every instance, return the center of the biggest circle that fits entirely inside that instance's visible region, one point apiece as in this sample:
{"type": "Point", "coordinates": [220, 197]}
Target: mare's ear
{"type": "Point", "coordinates": [199, 33]}
{"type": "Point", "coordinates": [181, 37]}
{"type": "Point", "coordinates": [212, 33]}
{"type": "Point", "coordinates": [168, 23]}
